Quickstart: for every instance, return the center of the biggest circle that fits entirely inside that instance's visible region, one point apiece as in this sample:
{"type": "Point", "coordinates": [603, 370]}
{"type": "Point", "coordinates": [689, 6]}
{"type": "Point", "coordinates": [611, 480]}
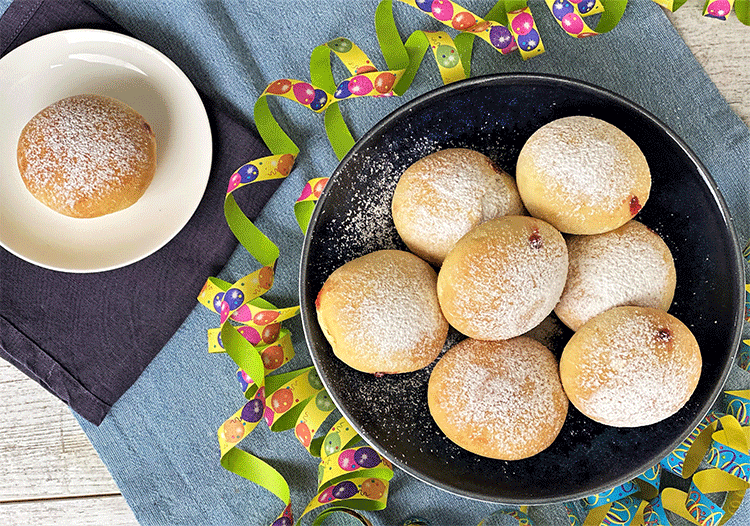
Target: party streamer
{"type": "Point", "coordinates": [352, 475]}
{"type": "Point", "coordinates": [718, 9]}
{"type": "Point", "coordinates": [570, 15]}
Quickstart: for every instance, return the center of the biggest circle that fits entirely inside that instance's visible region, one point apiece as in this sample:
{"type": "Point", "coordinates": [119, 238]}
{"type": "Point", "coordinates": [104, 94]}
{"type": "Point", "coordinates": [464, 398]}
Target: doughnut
{"type": "Point", "coordinates": [498, 399]}
{"type": "Point", "coordinates": [87, 156]}
{"type": "Point", "coordinates": [582, 175]}
{"type": "Point", "coordinates": [630, 265]}
{"type": "Point", "coordinates": [503, 277]}
{"type": "Point", "coordinates": [630, 366]}
{"type": "Point", "coordinates": [380, 313]}
{"type": "Point", "coordinates": [442, 196]}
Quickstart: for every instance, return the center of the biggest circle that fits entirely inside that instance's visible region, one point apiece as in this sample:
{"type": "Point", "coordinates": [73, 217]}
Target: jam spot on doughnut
{"type": "Point", "coordinates": [148, 128]}
{"type": "Point", "coordinates": [535, 239]}
{"type": "Point", "coordinates": [635, 206]}
{"type": "Point", "coordinates": [379, 375]}
{"type": "Point", "coordinates": [663, 335]}
{"type": "Point", "coordinates": [317, 299]}
{"type": "Point", "coordinates": [494, 166]}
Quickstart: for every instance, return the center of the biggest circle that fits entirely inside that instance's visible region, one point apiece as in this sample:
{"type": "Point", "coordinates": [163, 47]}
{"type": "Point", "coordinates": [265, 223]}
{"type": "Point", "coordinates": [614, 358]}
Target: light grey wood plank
{"type": "Point", "coordinates": [94, 511]}
{"type": "Point", "coordinates": [43, 451]}
{"type": "Point", "coordinates": [722, 48]}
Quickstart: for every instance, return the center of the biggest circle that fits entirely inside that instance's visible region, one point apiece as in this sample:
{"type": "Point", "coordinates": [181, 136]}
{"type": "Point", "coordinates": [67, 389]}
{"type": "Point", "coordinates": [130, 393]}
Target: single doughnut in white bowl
{"type": "Point", "coordinates": [87, 156]}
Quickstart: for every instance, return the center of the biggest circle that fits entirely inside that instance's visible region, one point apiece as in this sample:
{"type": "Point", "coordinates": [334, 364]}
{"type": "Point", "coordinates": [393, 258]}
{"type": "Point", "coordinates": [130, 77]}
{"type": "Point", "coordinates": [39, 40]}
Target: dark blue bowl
{"type": "Point", "coordinates": [495, 115]}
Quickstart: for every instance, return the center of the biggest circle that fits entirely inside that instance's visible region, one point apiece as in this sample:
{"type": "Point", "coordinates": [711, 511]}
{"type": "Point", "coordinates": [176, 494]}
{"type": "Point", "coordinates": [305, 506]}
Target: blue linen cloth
{"type": "Point", "coordinates": [159, 440]}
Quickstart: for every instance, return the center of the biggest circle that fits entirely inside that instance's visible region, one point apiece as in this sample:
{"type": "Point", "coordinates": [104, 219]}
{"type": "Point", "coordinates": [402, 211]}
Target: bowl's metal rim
{"type": "Point", "coordinates": [510, 78]}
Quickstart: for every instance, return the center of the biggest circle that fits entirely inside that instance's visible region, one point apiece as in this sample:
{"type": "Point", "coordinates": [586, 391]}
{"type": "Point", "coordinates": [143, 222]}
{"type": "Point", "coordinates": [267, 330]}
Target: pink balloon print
{"type": "Point", "coordinates": [304, 92]}
{"type": "Point", "coordinates": [442, 10]}
{"type": "Point", "coordinates": [269, 415]}
{"type": "Point", "coordinates": [243, 314]}
{"type": "Point", "coordinates": [306, 192]}
{"type": "Point", "coordinates": [572, 23]}
{"type": "Point", "coordinates": [224, 311]}
{"type": "Point", "coordinates": [346, 460]}
{"type": "Point", "coordinates": [250, 334]}
{"type": "Point", "coordinates": [522, 24]}
{"type": "Point", "coordinates": [719, 9]}
{"type": "Point", "coordinates": [360, 85]}
{"type": "Point", "coordinates": [326, 496]}
{"type": "Point", "coordinates": [234, 182]}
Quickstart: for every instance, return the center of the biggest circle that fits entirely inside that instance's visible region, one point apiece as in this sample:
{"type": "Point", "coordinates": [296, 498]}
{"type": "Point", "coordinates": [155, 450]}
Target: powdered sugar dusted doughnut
{"type": "Point", "coordinates": [631, 366]}
{"type": "Point", "coordinates": [380, 313]}
{"type": "Point", "coordinates": [500, 399]}
{"type": "Point", "coordinates": [582, 175]}
{"type": "Point", "coordinates": [630, 265]}
{"type": "Point", "coordinates": [441, 197]}
{"type": "Point", "coordinates": [87, 156]}
{"type": "Point", "coordinates": [503, 277]}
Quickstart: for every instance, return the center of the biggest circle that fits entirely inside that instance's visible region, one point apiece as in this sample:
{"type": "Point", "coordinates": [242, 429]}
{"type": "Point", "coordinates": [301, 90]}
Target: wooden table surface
{"type": "Point", "coordinates": [50, 473]}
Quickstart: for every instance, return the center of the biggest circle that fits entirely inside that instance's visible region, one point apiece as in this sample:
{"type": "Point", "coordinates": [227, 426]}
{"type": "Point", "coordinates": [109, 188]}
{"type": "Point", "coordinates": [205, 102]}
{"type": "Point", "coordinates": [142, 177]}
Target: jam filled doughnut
{"type": "Point", "coordinates": [503, 277]}
{"type": "Point", "coordinates": [380, 313]}
{"type": "Point", "coordinates": [87, 156]}
{"type": "Point", "coordinates": [630, 265]}
{"type": "Point", "coordinates": [631, 366]}
{"type": "Point", "coordinates": [498, 399]}
{"type": "Point", "coordinates": [442, 196]}
{"type": "Point", "coordinates": [582, 175]}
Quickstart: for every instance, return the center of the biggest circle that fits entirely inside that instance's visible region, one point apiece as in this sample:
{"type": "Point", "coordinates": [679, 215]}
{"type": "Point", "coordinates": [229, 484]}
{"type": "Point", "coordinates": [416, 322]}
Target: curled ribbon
{"type": "Point", "coordinates": [251, 332]}
{"type": "Point", "coordinates": [721, 440]}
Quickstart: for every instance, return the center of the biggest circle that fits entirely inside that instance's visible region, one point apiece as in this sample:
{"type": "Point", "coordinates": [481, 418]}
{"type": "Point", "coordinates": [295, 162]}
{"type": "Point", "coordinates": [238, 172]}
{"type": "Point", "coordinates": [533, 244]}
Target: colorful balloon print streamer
{"type": "Point", "coordinates": [251, 334]}
{"type": "Point", "coordinates": [721, 440]}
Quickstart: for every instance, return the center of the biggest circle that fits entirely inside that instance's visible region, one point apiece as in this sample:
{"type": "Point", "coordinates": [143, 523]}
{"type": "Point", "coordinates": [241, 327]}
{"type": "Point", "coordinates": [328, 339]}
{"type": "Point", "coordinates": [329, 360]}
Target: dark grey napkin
{"type": "Point", "coordinates": [87, 337]}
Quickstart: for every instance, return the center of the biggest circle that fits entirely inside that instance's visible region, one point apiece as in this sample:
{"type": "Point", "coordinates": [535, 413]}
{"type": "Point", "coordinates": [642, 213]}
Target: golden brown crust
{"type": "Point", "coordinates": [498, 399]}
{"type": "Point", "coordinates": [630, 265]}
{"type": "Point", "coordinates": [503, 277]}
{"type": "Point", "coordinates": [380, 313]}
{"type": "Point", "coordinates": [631, 366]}
{"type": "Point", "coordinates": [87, 156]}
{"type": "Point", "coordinates": [582, 175]}
{"type": "Point", "coordinates": [442, 196]}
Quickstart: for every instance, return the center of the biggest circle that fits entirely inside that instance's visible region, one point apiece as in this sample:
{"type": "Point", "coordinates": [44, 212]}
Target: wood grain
{"type": "Point", "coordinates": [50, 472]}
{"type": "Point", "coordinates": [722, 48]}
{"type": "Point", "coordinates": [93, 511]}
{"type": "Point", "coordinates": [49, 468]}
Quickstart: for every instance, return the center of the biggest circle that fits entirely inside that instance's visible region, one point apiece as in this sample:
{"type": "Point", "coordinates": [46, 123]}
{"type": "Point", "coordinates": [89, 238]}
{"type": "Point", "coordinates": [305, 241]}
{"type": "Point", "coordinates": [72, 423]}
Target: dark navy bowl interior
{"type": "Point", "coordinates": [495, 115]}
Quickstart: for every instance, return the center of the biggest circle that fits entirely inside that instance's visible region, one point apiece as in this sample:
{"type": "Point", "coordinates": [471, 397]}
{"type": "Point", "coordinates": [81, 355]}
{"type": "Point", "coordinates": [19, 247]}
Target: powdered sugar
{"type": "Point", "coordinates": [502, 285]}
{"type": "Point", "coordinates": [627, 266]}
{"type": "Point", "coordinates": [584, 161]}
{"type": "Point", "coordinates": [504, 393]}
{"type": "Point", "coordinates": [635, 372]}
{"type": "Point", "coordinates": [390, 318]}
{"type": "Point", "coordinates": [444, 195]}
{"type": "Point", "coordinates": [81, 147]}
